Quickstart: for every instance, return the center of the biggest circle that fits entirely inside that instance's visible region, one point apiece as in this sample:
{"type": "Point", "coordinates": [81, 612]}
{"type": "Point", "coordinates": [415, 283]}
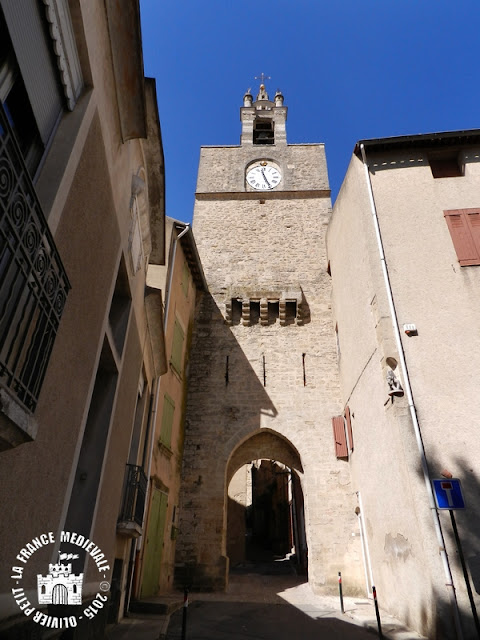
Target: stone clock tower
{"type": "Point", "coordinates": [262, 381]}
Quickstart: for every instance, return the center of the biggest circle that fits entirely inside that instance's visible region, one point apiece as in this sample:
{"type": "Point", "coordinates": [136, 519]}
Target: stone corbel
{"type": "Point", "coordinates": [63, 39]}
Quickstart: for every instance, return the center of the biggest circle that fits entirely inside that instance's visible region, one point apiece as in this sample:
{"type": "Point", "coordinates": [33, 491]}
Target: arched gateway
{"type": "Point", "coordinates": [265, 514]}
{"type": "Point", "coordinates": [263, 380]}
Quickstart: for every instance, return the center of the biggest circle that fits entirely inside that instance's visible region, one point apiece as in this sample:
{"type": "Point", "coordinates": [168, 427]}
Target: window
{"type": "Point", "coordinates": [33, 282]}
{"type": "Point", "coordinates": [290, 311]}
{"type": "Point", "coordinates": [14, 99]}
{"type": "Point", "coordinates": [263, 132]}
{"type": "Point", "coordinates": [36, 40]}
{"type": "Point", "coordinates": [167, 420]}
{"type": "Point", "coordinates": [120, 308]}
{"type": "Point", "coordinates": [177, 348]}
{"type": "Point", "coordinates": [464, 227]}
{"type": "Point", "coordinates": [236, 311]}
{"type": "Point", "coordinates": [273, 311]}
{"type": "Point", "coordinates": [254, 311]}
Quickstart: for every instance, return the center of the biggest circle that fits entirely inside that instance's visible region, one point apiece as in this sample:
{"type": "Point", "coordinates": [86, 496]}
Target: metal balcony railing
{"type": "Point", "coordinates": [134, 495]}
{"type": "Point", "coordinates": [33, 282]}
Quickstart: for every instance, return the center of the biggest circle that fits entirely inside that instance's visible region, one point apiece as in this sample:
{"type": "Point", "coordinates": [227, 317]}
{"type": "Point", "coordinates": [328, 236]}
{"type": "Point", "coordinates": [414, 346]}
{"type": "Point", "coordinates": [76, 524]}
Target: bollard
{"type": "Point", "coordinates": [340, 590]}
{"type": "Point", "coordinates": [377, 613]}
{"type": "Point", "coordinates": [184, 616]}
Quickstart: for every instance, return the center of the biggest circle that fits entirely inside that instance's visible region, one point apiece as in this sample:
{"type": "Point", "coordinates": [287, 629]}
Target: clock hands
{"type": "Point", "coordinates": [265, 178]}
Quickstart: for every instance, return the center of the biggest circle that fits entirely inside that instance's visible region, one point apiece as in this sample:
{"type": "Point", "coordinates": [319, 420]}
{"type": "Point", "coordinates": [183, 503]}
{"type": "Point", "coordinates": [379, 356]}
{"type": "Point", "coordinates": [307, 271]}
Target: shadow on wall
{"type": "Point", "coordinates": [468, 525]}
{"type": "Point", "coordinates": [227, 398]}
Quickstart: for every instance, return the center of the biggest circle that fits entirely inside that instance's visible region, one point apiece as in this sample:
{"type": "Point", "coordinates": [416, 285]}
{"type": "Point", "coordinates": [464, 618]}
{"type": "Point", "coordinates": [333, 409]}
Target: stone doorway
{"type": "Point", "coordinates": [265, 510]}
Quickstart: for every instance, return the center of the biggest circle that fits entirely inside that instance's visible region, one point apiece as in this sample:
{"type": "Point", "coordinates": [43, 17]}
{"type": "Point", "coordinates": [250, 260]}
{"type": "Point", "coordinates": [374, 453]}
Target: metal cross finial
{"type": "Point", "coordinates": [262, 77]}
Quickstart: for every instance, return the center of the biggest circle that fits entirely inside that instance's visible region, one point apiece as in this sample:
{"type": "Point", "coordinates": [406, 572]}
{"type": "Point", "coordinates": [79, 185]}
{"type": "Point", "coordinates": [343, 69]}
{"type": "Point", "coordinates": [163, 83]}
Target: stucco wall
{"type": "Point", "coordinates": [85, 189]}
{"type": "Point", "coordinates": [167, 461]}
{"type": "Point", "coordinates": [432, 291]}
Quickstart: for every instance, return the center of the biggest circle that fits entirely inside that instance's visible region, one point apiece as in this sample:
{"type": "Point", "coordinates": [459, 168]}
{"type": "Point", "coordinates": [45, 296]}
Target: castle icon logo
{"type": "Point", "coordinates": [60, 586]}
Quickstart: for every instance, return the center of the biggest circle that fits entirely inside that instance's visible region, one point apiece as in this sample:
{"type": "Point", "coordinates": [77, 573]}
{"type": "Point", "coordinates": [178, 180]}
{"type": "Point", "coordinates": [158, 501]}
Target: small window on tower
{"type": "Point", "coordinates": [263, 132]}
{"type": "Point", "coordinates": [254, 311]}
{"type": "Point", "coordinates": [273, 311]}
{"type": "Point", "coordinates": [290, 311]}
{"type": "Point", "coordinates": [236, 310]}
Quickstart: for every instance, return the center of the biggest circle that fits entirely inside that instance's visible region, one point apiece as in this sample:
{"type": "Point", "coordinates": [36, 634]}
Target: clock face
{"type": "Point", "coordinates": [263, 177]}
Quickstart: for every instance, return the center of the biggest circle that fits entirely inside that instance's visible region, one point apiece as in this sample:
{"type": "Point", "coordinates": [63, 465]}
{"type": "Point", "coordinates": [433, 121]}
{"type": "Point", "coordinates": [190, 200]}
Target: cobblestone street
{"type": "Point", "coordinates": [263, 602]}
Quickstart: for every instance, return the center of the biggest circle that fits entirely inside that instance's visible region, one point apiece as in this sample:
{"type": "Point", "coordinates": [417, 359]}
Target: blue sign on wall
{"type": "Point", "coordinates": [448, 493]}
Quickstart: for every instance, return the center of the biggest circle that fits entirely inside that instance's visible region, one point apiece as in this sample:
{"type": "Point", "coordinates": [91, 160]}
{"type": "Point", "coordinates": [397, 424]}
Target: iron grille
{"type": "Point", "coordinates": [33, 282]}
{"type": "Point", "coordinates": [134, 495]}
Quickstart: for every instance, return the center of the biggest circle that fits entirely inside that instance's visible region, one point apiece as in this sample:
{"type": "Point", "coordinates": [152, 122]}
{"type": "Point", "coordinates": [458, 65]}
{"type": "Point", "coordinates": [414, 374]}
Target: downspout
{"type": "Point", "coordinates": [170, 275]}
{"type": "Point", "coordinates": [411, 405]}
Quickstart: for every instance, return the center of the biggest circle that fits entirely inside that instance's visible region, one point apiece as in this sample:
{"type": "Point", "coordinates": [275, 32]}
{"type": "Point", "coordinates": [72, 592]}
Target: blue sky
{"type": "Point", "coordinates": [349, 69]}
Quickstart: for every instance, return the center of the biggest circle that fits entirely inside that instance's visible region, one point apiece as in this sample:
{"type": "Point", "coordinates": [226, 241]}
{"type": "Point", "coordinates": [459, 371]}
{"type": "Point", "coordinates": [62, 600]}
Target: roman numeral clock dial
{"type": "Point", "coordinates": [263, 177]}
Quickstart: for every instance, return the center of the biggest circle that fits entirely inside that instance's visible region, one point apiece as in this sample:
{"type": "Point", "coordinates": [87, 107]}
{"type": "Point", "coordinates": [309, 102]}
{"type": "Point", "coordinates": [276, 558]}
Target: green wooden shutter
{"type": "Point", "coordinates": [167, 420]}
{"type": "Point", "coordinates": [177, 348]}
{"type": "Point", "coordinates": [154, 544]}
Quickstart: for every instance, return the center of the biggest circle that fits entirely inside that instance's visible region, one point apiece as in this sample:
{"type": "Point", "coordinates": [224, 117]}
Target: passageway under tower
{"type": "Point", "coordinates": [265, 519]}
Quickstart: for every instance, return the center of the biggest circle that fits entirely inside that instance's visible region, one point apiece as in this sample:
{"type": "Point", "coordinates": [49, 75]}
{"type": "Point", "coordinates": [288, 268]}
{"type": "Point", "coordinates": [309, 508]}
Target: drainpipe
{"type": "Point", "coordinates": [172, 263]}
{"type": "Point", "coordinates": [411, 405]}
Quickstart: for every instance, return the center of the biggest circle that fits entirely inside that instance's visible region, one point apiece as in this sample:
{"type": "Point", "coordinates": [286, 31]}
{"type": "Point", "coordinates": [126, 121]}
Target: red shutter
{"type": "Point", "coordinates": [339, 437]}
{"type": "Point", "coordinates": [464, 227]}
{"type": "Point", "coordinates": [473, 217]}
{"type": "Point", "coordinates": [348, 421]}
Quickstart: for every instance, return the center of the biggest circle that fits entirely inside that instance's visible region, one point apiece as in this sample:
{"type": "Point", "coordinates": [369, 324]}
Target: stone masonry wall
{"type": "Point", "coordinates": [244, 379]}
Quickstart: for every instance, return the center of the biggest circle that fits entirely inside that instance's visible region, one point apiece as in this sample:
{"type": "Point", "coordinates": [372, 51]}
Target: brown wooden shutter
{"type": "Point", "coordinates": [348, 422]}
{"type": "Point", "coordinates": [464, 227]}
{"type": "Point", "coordinates": [473, 218]}
{"type": "Point", "coordinates": [339, 437]}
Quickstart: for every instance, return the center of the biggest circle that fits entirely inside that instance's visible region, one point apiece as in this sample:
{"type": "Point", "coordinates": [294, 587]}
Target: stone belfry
{"type": "Point", "coordinates": [263, 378]}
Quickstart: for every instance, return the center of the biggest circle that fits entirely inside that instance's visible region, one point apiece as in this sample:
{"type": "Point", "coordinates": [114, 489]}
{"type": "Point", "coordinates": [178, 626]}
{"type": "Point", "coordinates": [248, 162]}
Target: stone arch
{"type": "Point", "coordinates": [264, 444]}
{"type": "Point", "coordinates": [279, 459]}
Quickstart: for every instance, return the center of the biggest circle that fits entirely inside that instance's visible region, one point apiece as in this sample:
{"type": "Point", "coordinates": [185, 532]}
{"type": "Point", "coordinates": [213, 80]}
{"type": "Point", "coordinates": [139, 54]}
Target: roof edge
{"type": "Point", "coordinates": [436, 139]}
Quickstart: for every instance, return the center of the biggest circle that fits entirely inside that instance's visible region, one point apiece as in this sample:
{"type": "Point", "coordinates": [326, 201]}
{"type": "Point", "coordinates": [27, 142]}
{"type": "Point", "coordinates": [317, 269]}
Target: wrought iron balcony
{"type": "Point", "coordinates": [133, 505]}
{"type": "Point", "coordinates": [33, 282]}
